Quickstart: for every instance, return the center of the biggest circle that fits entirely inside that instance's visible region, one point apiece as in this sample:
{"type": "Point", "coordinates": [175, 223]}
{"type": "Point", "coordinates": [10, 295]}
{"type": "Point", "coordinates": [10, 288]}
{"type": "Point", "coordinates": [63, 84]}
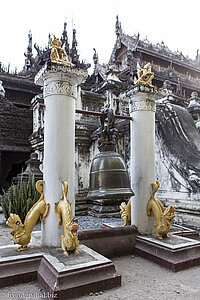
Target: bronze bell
{"type": "Point", "coordinates": [109, 177]}
{"type": "Point", "coordinates": [109, 180]}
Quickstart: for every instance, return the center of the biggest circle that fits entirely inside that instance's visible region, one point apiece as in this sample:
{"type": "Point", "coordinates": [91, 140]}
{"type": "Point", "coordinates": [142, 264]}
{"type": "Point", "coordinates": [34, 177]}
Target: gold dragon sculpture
{"type": "Point", "coordinates": [125, 212]}
{"type": "Point", "coordinates": [145, 76]}
{"type": "Point", "coordinates": [69, 241]}
{"type": "Point", "coordinates": [163, 216]}
{"type": "Point", "coordinates": [22, 232]}
{"type": "Point", "coordinates": [58, 53]}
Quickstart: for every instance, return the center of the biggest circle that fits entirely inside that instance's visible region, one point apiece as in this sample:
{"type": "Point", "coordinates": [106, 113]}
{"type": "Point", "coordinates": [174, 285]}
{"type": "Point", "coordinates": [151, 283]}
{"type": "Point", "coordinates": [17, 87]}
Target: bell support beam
{"type": "Point", "coordinates": [142, 170]}
{"type": "Point", "coordinates": [60, 93]}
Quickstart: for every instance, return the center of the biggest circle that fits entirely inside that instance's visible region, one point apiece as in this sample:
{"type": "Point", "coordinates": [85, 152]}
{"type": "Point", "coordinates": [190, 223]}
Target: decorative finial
{"type": "Point", "coordinates": [118, 29]}
{"type": "Point", "coordinates": [95, 57]}
{"type": "Point", "coordinates": [29, 53]}
{"type": "Point", "coordinates": [64, 39]}
{"type": "Point", "coordinates": [198, 56]}
{"type": "Point", "coordinates": [73, 51]}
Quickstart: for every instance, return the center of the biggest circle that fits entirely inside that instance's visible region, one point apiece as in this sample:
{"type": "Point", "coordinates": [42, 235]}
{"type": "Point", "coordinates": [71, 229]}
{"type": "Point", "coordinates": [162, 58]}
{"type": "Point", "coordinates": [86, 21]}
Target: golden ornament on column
{"type": "Point", "coordinates": [58, 54]}
{"type": "Point", "coordinates": [145, 76]}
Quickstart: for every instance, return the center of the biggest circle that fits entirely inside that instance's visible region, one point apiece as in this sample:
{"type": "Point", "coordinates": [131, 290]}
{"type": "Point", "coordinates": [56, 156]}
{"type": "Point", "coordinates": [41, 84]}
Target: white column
{"type": "Point", "coordinates": [60, 92]}
{"type": "Point", "coordinates": [142, 110]}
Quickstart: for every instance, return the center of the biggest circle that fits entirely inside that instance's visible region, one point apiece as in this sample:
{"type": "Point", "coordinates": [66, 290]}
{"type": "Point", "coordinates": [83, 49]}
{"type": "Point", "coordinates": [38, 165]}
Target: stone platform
{"type": "Point", "coordinates": [175, 253]}
{"type": "Point", "coordinates": [180, 251]}
{"type": "Point", "coordinates": [61, 276]}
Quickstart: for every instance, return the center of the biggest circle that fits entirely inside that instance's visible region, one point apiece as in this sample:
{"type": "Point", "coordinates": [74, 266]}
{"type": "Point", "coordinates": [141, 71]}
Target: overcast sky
{"type": "Point", "coordinates": [176, 22]}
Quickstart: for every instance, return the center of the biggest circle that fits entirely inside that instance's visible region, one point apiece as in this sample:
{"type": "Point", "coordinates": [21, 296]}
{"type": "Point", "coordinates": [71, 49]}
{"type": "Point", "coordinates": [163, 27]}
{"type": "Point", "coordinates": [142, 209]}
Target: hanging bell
{"type": "Point", "coordinates": [109, 177]}
{"type": "Point", "coordinates": [109, 181]}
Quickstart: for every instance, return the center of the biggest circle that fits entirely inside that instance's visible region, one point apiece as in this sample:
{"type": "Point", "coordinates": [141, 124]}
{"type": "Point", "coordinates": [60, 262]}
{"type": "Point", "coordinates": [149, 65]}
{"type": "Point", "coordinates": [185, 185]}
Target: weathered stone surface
{"type": "Point", "coordinates": [65, 277]}
{"type": "Point", "coordinates": [175, 253]}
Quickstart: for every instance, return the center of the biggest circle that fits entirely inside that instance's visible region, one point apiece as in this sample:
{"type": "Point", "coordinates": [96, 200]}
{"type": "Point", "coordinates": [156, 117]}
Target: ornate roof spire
{"type": "Point", "coordinates": [29, 53]}
{"type": "Point", "coordinates": [64, 39]}
{"type": "Point", "coordinates": [73, 52]}
{"type": "Point", "coordinates": [95, 57]}
{"type": "Point", "coordinates": [74, 41]}
{"type": "Point", "coordinates": [29, 48]}
{"type": "Point", "coordinates": [197, 57]}
{"type": "Point", "coordinates": [118, 28]}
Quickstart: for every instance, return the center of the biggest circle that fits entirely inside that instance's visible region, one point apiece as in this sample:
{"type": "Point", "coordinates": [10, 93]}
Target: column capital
{"type": "Point", "coordinates": [59, 79]}
{"type": "Point", "coordinates": [141, 98]}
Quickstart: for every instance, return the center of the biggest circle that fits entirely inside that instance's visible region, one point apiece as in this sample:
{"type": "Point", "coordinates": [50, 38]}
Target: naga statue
{"type": "Point", "coordinates": [145, 76]}
{"type": "Point", "coordinates": [69, 241]}
{"type": "Point", "coordinates": [22, 232]}
{"type": "Point", "coordinates": [163, 216]}
{"type": "Point", "coordinates": [58, 53]}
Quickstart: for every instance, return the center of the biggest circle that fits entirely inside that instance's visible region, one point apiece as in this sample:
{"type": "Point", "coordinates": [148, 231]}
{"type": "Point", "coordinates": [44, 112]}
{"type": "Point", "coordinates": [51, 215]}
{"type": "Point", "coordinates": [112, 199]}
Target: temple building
{"type": "Point", "coordinates": [177, 90]}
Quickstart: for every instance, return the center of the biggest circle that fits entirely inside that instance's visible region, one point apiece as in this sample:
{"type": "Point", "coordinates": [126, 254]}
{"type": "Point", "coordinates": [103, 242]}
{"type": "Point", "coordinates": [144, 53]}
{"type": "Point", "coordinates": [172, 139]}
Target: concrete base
{"type": "Point", "coordinates": [60, 276]}
{"type": "Point", "coordinates": [175, 253]}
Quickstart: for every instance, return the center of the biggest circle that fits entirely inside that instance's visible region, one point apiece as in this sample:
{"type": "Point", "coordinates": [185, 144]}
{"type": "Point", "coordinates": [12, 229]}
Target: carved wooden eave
{"type": "Point", "coordinates": [123, 40]}
{"type": "Point", "coordinates": [92, 96]}
{"type": "Point", "coordinates": [166, 65]}
{"type": "Point", "coordinates": [100, 71]}
{"type": "Point", "coordinates": [134, 44]}
{"type": "Point", "coordinates": [188, 65]}
{"type": "Point", "coordinates": [19, 83]}
{"type": "Point", "coordinates": [115, 86]}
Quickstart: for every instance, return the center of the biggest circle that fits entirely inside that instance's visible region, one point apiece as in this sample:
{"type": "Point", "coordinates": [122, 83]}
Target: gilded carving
{"type": "Point", "coordinates": [58, 54]}
{"type": "Point", "coordinates": [163, 216]}
{"type": "Point", "coordinates": [145, 76]}
{"type": "Point", "coordinates": [125, 212]}
{"type": "Point", "coordinates": [69, 241]}
{"type": "Point", "coordinates": [22, 232]}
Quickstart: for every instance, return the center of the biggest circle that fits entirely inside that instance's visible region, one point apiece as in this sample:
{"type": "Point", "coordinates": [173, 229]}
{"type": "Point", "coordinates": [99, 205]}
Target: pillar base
{"type": "Point", "coordinates": [61, 277]}
{"type": "Point", "coordinates": [175, 253]}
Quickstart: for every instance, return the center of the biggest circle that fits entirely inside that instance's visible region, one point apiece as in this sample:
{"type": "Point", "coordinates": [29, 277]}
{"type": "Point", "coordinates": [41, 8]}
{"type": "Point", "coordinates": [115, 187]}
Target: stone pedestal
{"type": "Point", "coordinates": [60, 276]}
{"type": "Point", "coordinates": [142, 110]}
{"type": "Point", "coordinates": [175, 253]}
{"type": "Point", "coordinates": [60, 93]}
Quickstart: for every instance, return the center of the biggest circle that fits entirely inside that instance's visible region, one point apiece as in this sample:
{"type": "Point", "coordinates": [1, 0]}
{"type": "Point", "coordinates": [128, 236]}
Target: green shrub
{"type": "Point", "coordinates": [20, 198]}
